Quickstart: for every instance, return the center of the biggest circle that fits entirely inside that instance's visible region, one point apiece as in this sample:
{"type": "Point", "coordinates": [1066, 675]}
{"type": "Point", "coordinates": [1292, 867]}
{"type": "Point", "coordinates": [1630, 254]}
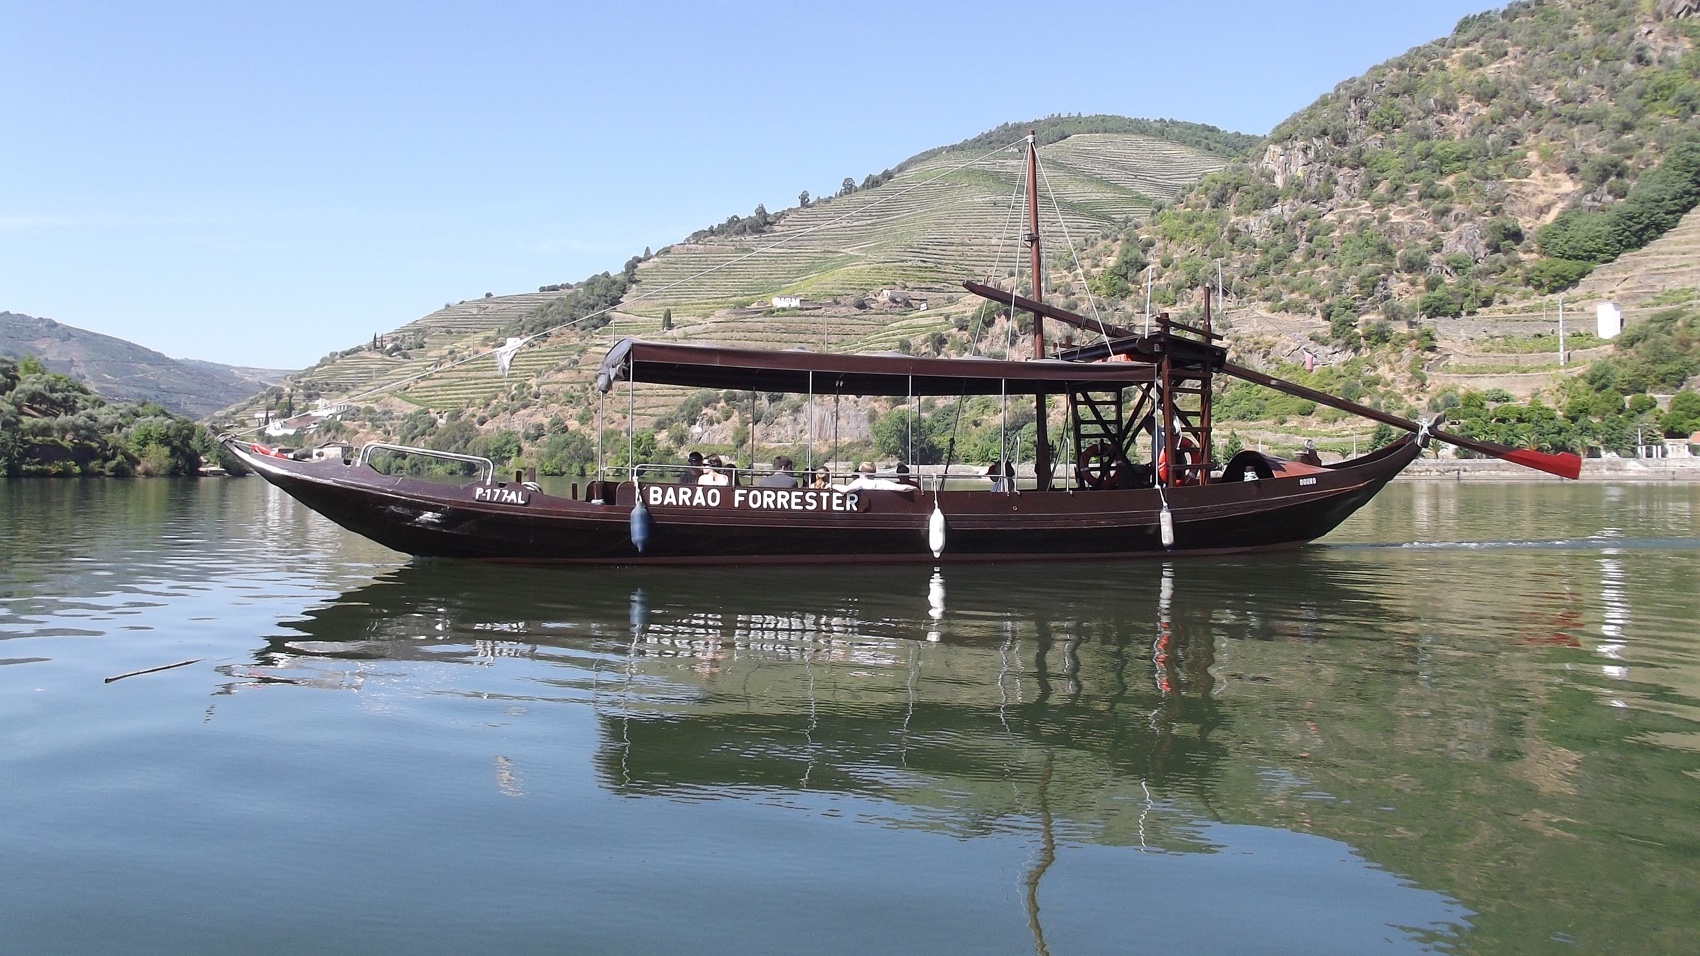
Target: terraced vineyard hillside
{"type": "Point", "coordinates": [424, 349]}
{"type": "Point", "coordinates": [917, 235]}
{"type": "Point", "coordinates": [920, 234]}
{"type": "Point", "coordinates": [1636, 280]}
{"type": "Point", "coordinates": [1664, 274]}
{"type": "Point", "coordinates": [934, 224]}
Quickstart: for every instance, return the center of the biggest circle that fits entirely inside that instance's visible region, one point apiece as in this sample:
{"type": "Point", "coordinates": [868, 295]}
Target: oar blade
{"type": "Point", "coordinates": [1564, 464]}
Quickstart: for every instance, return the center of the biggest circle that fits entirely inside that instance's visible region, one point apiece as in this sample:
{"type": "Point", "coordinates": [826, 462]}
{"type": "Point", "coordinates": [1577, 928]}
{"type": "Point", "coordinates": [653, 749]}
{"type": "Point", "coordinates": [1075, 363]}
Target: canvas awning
{"type": "Point", "coordinates": [887, 373]}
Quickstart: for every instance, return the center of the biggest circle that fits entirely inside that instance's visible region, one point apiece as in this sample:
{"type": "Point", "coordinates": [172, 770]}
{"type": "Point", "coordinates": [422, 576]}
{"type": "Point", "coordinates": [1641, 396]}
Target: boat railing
{"type": "Point", "coordinates": [486, 467]}
{"type": "Point", "coordinates": [653, 473]}
{"type": "Point", "coordinates": [670, 473]}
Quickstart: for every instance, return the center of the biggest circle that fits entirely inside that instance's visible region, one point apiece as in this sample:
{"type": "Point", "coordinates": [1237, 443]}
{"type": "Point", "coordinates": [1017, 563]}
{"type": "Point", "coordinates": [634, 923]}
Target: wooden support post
{"type": "Point", "coordinates": [1206, 448]}
{"type": "Point", "coordinates": [1166, 424]}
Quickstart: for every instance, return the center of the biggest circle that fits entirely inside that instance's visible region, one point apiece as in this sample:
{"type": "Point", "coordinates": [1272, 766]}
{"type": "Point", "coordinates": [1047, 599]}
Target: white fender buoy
{"type": "Point", "coordinates": [1166, 526]}
{"type": "Point", "coordinates": [640, 525]}
{"type": "Point", "coordinates": [935, 529]}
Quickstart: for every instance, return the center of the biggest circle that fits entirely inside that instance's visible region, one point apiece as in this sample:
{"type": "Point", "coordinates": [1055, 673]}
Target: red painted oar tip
{"type": "Point", "coordinates": [1564, 464]}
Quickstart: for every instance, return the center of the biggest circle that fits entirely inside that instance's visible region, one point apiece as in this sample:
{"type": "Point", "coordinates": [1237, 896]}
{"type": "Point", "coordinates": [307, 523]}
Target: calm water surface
{"type": "Point", "coordinates": [1468, 722]}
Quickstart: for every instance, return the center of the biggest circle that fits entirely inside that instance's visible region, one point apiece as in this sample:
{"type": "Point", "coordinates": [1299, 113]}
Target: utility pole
{"type": "Point", "coordinates": [1148, 300]}
{"type": "Point", "coordinates": [1561, 331]}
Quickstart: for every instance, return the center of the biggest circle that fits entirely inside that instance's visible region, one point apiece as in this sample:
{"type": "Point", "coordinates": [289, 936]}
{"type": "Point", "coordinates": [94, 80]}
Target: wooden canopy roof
{"type": "Point", "coordinates": [888, 373]}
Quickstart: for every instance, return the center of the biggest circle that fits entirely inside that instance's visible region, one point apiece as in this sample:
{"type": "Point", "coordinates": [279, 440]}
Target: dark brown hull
{"type": "Point", "coordinates": [431, 519]}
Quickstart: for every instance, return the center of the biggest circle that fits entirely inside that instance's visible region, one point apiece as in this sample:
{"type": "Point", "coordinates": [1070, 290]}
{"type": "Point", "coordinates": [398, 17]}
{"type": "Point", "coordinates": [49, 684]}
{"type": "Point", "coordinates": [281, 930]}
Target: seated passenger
{"type": "Point", "coordinates": [866, 480]}
{"type": "Point", "coordinates": [714, 472]}
{"type": "Point", "coordinates": [1309, 456]}
{"type": "Point", "coordinates": [781, 477]}
{"type": "Point", "coordinates": [693, 469]}
{"type": "Point", "coordinates": [903, 475]}
{"type": "Point", "coordinates": [1002, 475]}
{"type": "Point", "coordinates": [823, 479]}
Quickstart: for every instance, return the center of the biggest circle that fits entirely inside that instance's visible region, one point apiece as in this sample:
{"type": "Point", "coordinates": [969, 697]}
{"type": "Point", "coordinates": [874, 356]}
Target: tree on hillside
{"type": "Point", "coordinates": [585, 307]}
{"type": "Point", "coordinates": [918, 439]}
{"type": "Point", "coordinates": [565, 453]}
{"type": "Point", "coordinates": [1683, 418]}
{"type": "Point", "coordinates": [51, 424]}
{"type": "Point", "coordinates": [1232, 447]}
{"type": "Point", "coordinates": [1659, 199]}
{"type": "Point", "coordinates": [876, 179]}
{"type": "Point", "coordinates": [1058, 127]}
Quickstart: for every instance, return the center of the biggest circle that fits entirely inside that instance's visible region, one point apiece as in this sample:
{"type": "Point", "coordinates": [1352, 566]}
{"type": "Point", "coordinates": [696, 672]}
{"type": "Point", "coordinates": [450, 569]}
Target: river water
{"type": "Point", "coordinates": [1468, 721]}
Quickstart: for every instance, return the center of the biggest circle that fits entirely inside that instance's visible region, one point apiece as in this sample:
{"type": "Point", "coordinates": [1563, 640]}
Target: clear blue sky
{"type": "Point", "coordinates": [261, 183]}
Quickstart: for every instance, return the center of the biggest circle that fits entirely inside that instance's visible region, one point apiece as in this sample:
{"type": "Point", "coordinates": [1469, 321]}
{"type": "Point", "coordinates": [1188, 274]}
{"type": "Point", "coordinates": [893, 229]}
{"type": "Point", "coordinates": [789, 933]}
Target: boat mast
{"type": "Point", "coordinates": [1042, 443]}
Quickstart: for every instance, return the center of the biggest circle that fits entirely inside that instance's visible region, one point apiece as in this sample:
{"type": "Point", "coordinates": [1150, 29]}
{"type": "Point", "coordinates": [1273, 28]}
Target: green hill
{"type": "Point", "coordinates": [878, 266]}
{"type": "Point", "coordinates": [53, 425]}
{"type": "Point", "coordinates": [1422, 188]}
{"type": "Point", "coordinates": [125, 372]}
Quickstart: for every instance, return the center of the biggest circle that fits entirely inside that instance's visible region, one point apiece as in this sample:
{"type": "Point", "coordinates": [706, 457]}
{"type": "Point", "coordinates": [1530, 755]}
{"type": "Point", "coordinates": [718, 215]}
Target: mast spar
{"type": "Point", "coordinates": [1042, 442]}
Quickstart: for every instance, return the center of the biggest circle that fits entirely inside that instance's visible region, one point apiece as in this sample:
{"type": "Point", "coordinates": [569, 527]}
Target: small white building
{"type": "Point", "coordinates": [787, 301]}
{"type": "Point", "coordinates": [280, 427]}
{"type": "Point", "coordinates": [283, 427]}
{"type": "Point", "coordinates": [1608, 317]}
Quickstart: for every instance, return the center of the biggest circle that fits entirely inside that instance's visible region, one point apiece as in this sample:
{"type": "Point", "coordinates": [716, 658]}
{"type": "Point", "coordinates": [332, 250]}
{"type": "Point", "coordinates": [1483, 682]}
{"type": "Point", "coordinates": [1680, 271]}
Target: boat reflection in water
{"type": "Point", "coordinates": [1092, 719]}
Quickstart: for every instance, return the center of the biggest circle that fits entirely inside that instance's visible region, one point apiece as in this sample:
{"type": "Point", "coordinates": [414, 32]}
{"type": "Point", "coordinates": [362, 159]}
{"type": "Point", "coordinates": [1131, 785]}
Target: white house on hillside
{"type": "Point", "coordinates": [323, 412]}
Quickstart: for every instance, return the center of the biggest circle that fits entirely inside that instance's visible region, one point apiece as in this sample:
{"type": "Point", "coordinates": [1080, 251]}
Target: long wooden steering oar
{"type": "Point", "coordinates": [1564, 464]}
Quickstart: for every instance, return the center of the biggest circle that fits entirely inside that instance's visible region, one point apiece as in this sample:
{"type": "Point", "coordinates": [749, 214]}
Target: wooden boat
{"type": "Point", "coordinates": [490, 518]}
{"type": "Point", "coordinates": [1137, 475]}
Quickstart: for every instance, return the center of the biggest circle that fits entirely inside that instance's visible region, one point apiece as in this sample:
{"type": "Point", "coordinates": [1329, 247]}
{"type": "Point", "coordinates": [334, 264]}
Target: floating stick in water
{"type": "Point", "coordinates": [150, 670]}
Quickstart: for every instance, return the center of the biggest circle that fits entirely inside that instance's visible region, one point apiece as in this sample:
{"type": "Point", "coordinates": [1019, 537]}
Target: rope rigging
{"type": "Point", "coordinates": [1072, 251]}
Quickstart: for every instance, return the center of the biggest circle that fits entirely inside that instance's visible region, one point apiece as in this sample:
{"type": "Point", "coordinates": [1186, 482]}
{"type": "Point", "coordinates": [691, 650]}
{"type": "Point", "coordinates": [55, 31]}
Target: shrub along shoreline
{"type": "Point", "coordinates": [51, 425]}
